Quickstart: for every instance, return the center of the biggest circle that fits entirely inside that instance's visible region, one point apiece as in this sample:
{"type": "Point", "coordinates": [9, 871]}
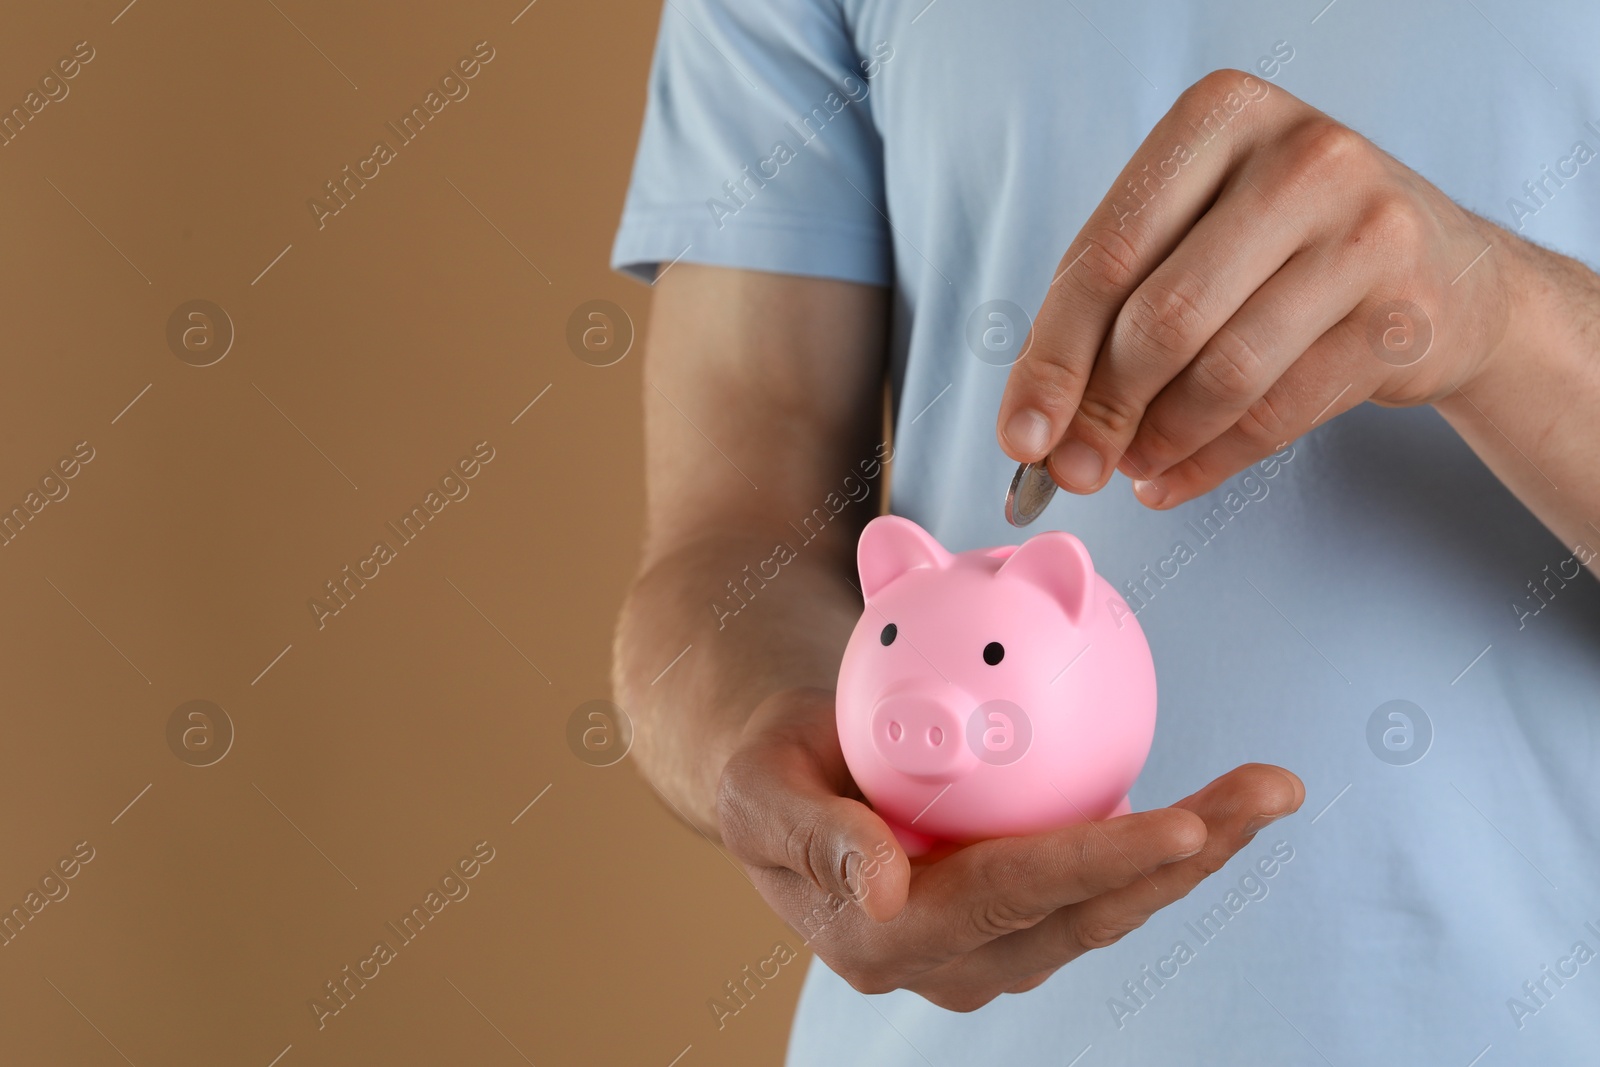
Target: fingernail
{"type": "Point", "coordinates": [1078, 465]}
{"type": "Point", "coordinates": [1176, 856]}
{"type": "Point", "coordinates": [1150, 493]}
{"type": "Point", "coordinates": [1261, 822]}
{"type": "Point", "coordinates": [1028, 432]}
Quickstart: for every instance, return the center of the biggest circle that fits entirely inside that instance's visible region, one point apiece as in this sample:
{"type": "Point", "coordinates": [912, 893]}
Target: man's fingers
{"type": "Point", "coordinates": [779, 806]}
{"type": "Point", "coordinates": [1233, 250]}
{"type": "Point", "coordinates": [1335, 374]}
{"type": "Point", "coordinates": [1103, 264]}
{"type": "Point", "coordinates": [993, 888]}
{"type": "Point", "coordinates": [1241, 361]}
{"type": "Point", "coordinates": [990, 890]}
{"type": "Point", "coordinates": [1165, 187]}
{"type": "Point", "coordinates": [1232, 808]}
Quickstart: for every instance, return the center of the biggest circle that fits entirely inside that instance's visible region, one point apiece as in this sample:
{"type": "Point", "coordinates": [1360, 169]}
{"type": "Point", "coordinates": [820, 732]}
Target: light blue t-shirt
{"type": "Point", "coordinates": [1437, 899]}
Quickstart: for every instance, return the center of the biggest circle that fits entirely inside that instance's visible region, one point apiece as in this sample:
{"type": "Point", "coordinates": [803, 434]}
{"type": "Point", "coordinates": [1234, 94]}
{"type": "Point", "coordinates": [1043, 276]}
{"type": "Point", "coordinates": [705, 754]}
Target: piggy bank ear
{"type": "Point", "coordinates": [889, 547]}
{"type": "Point", "coordinates": [1058, 563]}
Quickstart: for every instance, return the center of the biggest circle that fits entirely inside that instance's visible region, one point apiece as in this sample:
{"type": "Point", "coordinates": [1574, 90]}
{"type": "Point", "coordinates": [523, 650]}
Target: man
{"type": "Point", "coordinates": [1359, 425]}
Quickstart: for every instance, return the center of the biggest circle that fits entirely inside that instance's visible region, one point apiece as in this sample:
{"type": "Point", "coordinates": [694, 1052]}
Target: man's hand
{"type": "Point", "coordinates": [995, 917]}
{"type": "Point", "coordinates": [1257, 269]}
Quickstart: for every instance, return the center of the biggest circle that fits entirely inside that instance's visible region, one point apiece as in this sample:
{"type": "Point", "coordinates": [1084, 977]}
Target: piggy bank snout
{"type": "Point", "coordinates": [920, 736]}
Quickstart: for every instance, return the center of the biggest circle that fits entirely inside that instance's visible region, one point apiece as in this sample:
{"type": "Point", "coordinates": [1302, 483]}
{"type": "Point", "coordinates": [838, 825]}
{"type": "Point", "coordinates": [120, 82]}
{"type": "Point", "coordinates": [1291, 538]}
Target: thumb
{"type": "Point", "coordinates": [781, 804]}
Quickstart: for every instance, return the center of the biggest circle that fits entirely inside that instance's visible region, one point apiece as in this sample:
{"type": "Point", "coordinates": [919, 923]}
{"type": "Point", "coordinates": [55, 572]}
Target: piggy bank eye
{"type": "Point", "coordinates": [993, 653]}
{"type": "Point", "coordinates": [888, 635]}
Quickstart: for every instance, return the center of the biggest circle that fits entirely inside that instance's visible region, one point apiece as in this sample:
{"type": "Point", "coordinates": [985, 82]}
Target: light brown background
{"type": "Point", "coordinates": [377, 750]}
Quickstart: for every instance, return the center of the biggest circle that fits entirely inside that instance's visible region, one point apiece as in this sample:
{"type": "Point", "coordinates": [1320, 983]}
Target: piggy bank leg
{"type": "Point", "coordinates": [914, 843]}
{"type": "Point", "coordinates": [1123, 808]}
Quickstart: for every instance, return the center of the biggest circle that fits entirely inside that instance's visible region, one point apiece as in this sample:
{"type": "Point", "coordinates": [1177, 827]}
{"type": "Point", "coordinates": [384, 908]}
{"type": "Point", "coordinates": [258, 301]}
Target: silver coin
{"type": "Point", "coordinates": [1030, 492]}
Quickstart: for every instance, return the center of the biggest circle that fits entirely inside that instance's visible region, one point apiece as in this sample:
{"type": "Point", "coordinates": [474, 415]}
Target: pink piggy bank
{"type": "Point", "coordinates": [991, 693]}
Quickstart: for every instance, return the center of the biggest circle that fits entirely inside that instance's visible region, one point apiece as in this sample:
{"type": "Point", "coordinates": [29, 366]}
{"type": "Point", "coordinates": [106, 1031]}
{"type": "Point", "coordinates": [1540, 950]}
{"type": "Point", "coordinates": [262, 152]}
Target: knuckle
{"type": "Point", "coordinates": [864, 977]}
{"type": "Point", "coordinates": [1165, 320]}
{"type": "Point", "coordinates": [1329, 144]}
{"type": "Point", "coordinates": [1263, 424]}
{"type": "Point", "coordinates": [1114, 415]}
{"type": "Point", "coordinates": [1322, 150]}
{"type": "Point", "coordinates": [1103, 932]}
{"type": "Point", "coordinates": [964, 1002]}
{"type": "Point", "coordinates": [1228, 370]}
{"type": "Point", "coordinates": [1188, 474]}
{"type": "Point", "coordinates": [996, 918]}
{"type": "Point", "coordinates": [1032, 982]}
{"type": "Point", "coordinates": [1390, 220]}
{"type": "Point", "coordinates": [1048, 376]}
{"type": "Point", "coordinates": [1212, 90]}
{"type": "Point", "coordinates": [804, 850]}
{"type": "Point", "coordinates": [1110, 263]}
{"type": "Point", "coordinates": [1155, 446]}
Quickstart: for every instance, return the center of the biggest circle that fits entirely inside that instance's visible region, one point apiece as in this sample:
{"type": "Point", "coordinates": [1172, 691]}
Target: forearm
{"type": "Point", "coordinates": [1533, 415]}
{"type": "Point", "coordinates": [763, 428]}
{"type": "Point", "coordinates": [785, 632]}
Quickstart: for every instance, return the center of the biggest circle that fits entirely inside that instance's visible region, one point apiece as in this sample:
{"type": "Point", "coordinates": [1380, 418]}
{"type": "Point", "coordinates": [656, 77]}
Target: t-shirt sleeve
{"type": "Point", "coordinates": [759, 148]}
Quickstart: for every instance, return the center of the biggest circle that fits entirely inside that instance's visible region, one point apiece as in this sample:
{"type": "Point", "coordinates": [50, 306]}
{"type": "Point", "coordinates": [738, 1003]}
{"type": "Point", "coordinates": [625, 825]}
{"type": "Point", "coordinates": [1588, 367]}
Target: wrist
{"type": "Point", "coordinates": [683, 761]}
{"type": "Point", "coordinates": [693, 679]}
{"type": "Point", "coordinates": [1525, 327]}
